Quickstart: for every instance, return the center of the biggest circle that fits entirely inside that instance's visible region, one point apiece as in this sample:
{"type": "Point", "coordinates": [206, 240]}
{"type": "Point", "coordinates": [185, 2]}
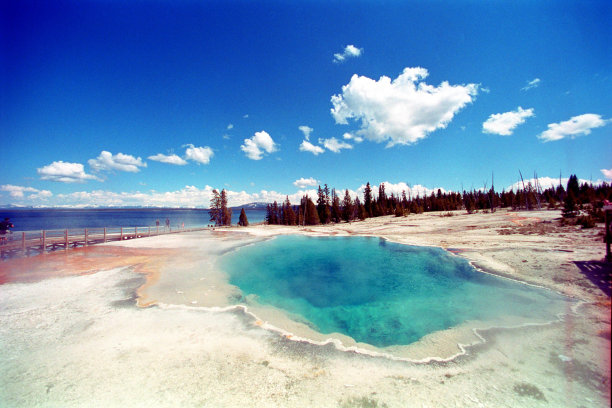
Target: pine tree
{"type": "Point", "coordinates": [311, 216]}
{"type": "Point", "coordinates": [275, 214]}
{"type": "Point", "coordinates": [569, 206]}
{"type": "Point", "coordinates": [214, 209]}
{"type": "Point", "coordinates": [336, 213]}
{"type": "Point", "coordinates": [572, 185]}
{"type": "Point", "coordinates": [367, 200]}
{"type": "Point", "coordinates": [288, 213]}
{"type": "Point", "coordinates": [242, 220]}
{"type": "Point", "coordinates": [347, 207]}
{"type": "Point", "coordinates": [376, 209]}
{"type": "Point", "coordinates": [226, 213]}
{"type": "Point", "coordinates": [398, 211]}
{"type": "Point", "coordinates": [361, 211]}
{"type": "Point", "coordinates": [382, 199]}
{"type": "Point", "coordinates": [269, 214]}
{"type": "Point", "coordinates": [323, 205]}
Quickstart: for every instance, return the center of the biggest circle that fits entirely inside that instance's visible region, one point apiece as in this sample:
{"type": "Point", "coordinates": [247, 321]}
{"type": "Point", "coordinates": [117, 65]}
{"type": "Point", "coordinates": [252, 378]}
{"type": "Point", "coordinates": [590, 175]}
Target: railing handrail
{"type": "Point", "coordinates": [161, 227]}
{"type": "Point", "coordinates": [95, 231]}
{"type": "Point", "coordinates": [41, 241]}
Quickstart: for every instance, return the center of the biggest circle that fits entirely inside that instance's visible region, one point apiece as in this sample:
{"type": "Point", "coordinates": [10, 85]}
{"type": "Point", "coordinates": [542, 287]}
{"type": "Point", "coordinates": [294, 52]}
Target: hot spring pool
{"type": "Point", "coordinates": [378, 292]}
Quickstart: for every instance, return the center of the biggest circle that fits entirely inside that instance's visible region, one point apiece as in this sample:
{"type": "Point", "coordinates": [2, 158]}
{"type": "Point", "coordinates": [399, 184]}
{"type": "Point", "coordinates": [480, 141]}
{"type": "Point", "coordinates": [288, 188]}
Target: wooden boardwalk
{"type": "Point", "coordinates": [25, 243]}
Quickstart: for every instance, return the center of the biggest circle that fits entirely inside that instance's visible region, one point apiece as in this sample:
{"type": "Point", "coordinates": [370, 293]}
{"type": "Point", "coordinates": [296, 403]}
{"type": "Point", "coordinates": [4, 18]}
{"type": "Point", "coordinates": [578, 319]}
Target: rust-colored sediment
{"type": "Point", "coordinates": [515, 218]}
{"type": "Point", "coordinates": [84, 261]}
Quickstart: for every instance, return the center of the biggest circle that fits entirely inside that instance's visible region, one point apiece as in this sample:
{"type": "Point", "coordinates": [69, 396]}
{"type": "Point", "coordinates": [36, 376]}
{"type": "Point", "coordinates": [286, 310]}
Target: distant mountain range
{"type": "Point", "coordinates": [248, 206]}
{"type": "Point", "coordinates": [251, 206]}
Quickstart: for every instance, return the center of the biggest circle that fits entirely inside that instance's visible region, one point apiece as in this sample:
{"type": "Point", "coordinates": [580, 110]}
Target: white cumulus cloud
{"type": "Point", "coordinates": [547, 182]}
{"type": "Point", "coordinates": [259, 144]}
{"type": "Point", "coordinates": [504, 123]}
{"type": "Point", "coordinates": [305, 182]}
{"type": "Point", "coordinates": [400, 111]}
{"type": "Point", "coordinates": [412, 191]}
{"type": "Point", "coordinates": [107, 161]}
{"type": "Point", "coordinates": [198, 154]}
{"type": "Point", "coordinates": [306, 146]}
{"type": "Point", "coordinates": [350, 51]}
{"type": "Point", "coordinates": [20, 192]}
{"type": "Point", "coordinates": [65, 172]}
{"type": "Point", "coordinates": [334, 145]}
{"type": "Point", "coordinates": [169, 159]}
{"type": "Point", "coordinates": [576, 126]}
{"type": "Point", "coordinates": [607, 173]}
{"type": "Point", "coordinates": [534, 83]}
{"type": "Point", "coordinates": [187, 197]}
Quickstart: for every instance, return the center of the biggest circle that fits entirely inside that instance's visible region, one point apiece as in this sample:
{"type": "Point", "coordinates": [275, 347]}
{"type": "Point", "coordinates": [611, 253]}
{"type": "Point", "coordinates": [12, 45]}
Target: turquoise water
{"type": "Point", "coordinates": [379, 292]}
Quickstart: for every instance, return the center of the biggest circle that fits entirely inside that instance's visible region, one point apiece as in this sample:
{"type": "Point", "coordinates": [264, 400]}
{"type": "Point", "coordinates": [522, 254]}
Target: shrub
{"type": "Point", "coordinates": [586, 221]}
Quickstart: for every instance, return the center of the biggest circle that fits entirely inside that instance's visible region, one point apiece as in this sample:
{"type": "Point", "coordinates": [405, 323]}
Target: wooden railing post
{"type": "Point", "coordinates": [121, 235]}
{"type": "Point", "coordinates": [44, 240]}
{"type": "Point", "coordinates": [149, 231]}
{"type": "Point", "coordinates": [23, 247]}
{"type": "Point", "coordinates": [135, 232]}
{"type": "Point", "coordinates": [85, 244]}
{"type": "Point", "coordinates": [104, 234]}
{"type": "Point", "coordinates": [66, 239]}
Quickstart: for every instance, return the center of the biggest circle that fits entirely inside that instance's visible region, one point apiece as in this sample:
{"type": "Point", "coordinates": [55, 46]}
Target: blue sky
{"type": "Point", "coordinates": [157, 102]}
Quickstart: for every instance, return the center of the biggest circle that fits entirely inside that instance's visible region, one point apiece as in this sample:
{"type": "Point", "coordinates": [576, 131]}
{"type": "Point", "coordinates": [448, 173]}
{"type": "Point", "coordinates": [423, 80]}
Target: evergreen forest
{"type": "Point", "coordinates": [582, 202]}
{"type": "Point", "coordinates": [331, 208]}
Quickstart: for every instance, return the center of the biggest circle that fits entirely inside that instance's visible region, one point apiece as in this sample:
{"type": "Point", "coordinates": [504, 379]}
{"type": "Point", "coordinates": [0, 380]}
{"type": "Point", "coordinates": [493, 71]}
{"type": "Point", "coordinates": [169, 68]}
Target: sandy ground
{"type": "Point", "coordinates": [80, 340]}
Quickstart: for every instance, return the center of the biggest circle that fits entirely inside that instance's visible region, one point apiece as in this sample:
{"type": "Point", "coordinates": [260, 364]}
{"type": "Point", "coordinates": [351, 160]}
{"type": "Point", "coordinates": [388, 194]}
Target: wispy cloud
{"type": "Point", "coordinates": [65, 172]}
{"type": "Point", "coordinates": [306, 130]}
{"type": "Point", "coordinates": [334, 145]}
{"type": "Point", "coordinates": [350, 51]}
{"type": "Point", "coordinates": [259, 144]}
{"type": "Point", "coordinates": [169, 159]}
{"type": "Point", "coordinates": [306, 146]}
{"type": "Point", "coordinates": [107, 161]}
{"type": "Point", "coordinates": [534, 83]}
{"type": "Point", "coordinates": [607, 173]}
{"type": "Point", "coordinates": [504, 123]}
{"type": "Point", "coordinates": [350, 136]}
{"type": "Point", "coordinates": [400, 111]}
{"type": "Point", "coordinates": [576, 126]}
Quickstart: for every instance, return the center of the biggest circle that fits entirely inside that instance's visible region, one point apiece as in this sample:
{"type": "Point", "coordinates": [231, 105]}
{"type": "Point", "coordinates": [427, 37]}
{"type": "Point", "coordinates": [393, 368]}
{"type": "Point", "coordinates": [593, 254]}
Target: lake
{"type": "Point", "coordinates": [48, 219]}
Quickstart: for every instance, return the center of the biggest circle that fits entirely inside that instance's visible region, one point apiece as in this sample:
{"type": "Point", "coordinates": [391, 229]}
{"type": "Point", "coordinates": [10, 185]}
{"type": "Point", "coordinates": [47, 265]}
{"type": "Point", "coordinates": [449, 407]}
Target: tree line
{"type": "Point", "coordinates": [219, 212]}
{"type": "Point", "coordinates": [331, 208]}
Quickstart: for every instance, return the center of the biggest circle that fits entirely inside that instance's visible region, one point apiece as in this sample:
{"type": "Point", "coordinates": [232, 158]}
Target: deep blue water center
{"type": "Point", "coordinates": [379, 292]}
